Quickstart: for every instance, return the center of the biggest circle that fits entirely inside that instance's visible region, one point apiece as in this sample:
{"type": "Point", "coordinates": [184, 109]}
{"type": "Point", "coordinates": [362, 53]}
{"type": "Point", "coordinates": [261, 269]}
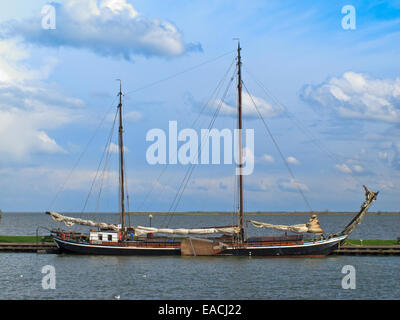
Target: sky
{"type": "Point", "coordinates": [325, 79]}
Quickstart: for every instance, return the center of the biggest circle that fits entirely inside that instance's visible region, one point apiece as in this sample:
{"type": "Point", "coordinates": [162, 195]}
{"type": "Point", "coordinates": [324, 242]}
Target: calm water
{"type": "Point", "coordinates": [180, 278]}
{"type": "Point", "coordinates": [372, 227]}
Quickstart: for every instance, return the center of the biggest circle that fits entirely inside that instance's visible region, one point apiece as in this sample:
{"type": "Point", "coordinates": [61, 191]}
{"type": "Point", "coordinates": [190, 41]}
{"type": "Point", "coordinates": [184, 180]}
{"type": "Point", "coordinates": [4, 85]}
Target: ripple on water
{"type": "Point", "coordinates": [177, 278]}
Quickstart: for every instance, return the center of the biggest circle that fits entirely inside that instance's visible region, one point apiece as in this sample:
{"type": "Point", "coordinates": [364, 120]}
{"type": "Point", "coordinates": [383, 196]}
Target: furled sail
{"type": "Point", "coordinates": [312, 226]}
{"type": "Point", "coordinates": [226, 230]}
{"type": "Point", "coordinates": [69, 221]}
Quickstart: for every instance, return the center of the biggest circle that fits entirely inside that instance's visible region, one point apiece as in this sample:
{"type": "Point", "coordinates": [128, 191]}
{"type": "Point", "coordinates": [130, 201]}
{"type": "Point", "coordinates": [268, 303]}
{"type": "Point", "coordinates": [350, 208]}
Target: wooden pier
{"type": "Point", "coordinates": [367, 250]}
{"type": "Point", "coordinates": [47, 247]}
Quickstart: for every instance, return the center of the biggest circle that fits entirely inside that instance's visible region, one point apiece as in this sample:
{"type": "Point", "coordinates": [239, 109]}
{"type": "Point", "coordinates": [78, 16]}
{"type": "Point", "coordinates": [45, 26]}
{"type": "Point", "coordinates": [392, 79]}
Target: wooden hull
{"type": "Point", "coordinates": [307, 249]}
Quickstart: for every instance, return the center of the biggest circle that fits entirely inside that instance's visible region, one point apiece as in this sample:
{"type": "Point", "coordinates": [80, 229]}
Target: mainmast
{"type": "Point", "coordinates": [121, 152]}
{"type": "Point", "coordinates": [239, 87]}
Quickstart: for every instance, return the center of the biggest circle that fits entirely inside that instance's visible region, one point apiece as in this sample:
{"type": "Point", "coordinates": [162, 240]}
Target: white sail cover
{"type": "Point", "coordinates": [145, 230]}
{"type": "Point", "coordinates": [69, 221]}
{"type": "Point", "coordinates": [311, 226]}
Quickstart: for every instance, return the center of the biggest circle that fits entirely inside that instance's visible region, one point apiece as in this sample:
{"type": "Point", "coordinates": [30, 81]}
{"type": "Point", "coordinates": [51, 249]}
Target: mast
{"type": "Point", "coordinates": [121, 152]}
{"type": "Point", "coordinates": [239, 87]}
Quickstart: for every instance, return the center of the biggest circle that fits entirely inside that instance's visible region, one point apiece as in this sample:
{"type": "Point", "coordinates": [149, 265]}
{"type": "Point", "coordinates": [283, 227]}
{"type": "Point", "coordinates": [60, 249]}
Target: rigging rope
{"type": "Point", "coordinates": [106, 162]}
{"type": "Point", "coordinates": [181, 72]}
{"type": "Point", "coordinates": [106, 152]}
{"type": "Point", "coordinates": [215, 91]}
{"type": "Point", "coordinates": [102, 178]}
{"type": "Point", "coordinates": [301, 126]}
{"type": "Point", "coordinates": [81, 155]}
{"type": "Point", "coordinates": [135, 90]}
{"type": "Point", "coordinates": [190, 170]}
{"type": "Point", "coordinates": [278, 149]}
{"type": "Point", "coordinates": [215, 115]}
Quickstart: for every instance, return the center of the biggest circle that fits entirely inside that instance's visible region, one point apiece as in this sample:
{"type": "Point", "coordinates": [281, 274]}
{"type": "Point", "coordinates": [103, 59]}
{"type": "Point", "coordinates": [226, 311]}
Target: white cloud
{"type": "Point", "coordinates": [13, 71]}
{"type": "Point", "coordinates": [118, 7]}
{"type": "Point", "coordinates": [211, 186]}
{"type": "Point", "coordinates": [248, 155]}
{"type": "Point", "coordinates": [110, 28]}
{"type": "Point", "coordinates": [358, 96]}
{"type": "Point", "coordinates": [292, 185]}
{"type": "Point", "coordinates": [114, 148]}
{"type": "Point", "coordinates": [260, 185]}
{"type": "Point", "coordinates": [390, 150]}
{"type": "Point", "coordinates": [133, 116]}
{"type": "Point", "coordinates": [248, 108]}
{"type": "Point", "coordinates": [396, 158]}
{"type": "Point", "coordinates": [343, 167]}
{"type": "Point", "coordinates": [29, 107]}
{"type": "Point", "coordinates": [292, 160]}
{"type": "Point", "coordinates": [215, 186]}
{"type": "Point", "coordinates": [356, 168]}
{"type": "Point", "coordinates": [44, 180]}
{"type": "Point", "coordinates": [268, 158]}
{"type": "Point", "coordinates": [383, 155]}
{"type": "Point", "coordinates": [386, 185]}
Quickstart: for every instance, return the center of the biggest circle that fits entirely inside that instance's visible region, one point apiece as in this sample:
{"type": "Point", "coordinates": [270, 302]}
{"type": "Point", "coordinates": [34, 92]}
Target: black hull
{"type": "Point", "coordinates": [309, 249]}
{"type": "Point", "coordinates": [80, 248]}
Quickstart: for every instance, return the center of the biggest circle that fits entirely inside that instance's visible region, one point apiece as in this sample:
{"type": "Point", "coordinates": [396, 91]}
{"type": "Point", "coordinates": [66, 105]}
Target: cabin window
{"type": "Point", "coordinates": [109, 237]}
{"type": "Point", "coordinates": [100, 237]}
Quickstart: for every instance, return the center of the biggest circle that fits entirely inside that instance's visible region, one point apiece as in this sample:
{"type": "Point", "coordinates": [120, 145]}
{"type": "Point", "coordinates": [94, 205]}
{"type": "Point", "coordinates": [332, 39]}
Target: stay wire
{"type": "Point", "coordinates": [106, 163]}
{"type": "Point", "coordinates": [105, 151]}
{"type": "Point", "coordinates": [216, 89]}
{"type": "Point", "coordinates": [81, 155]}
{"type": "Point", "coordinates": [301, 126]}
{"type": "Point", "coordinates": [279, 150]}
{"type": "Point", "coordinates": [102, 178]}
{"type": "Point", "coordinates": [206, 137]}
{"type": "Point", "coordinates": [190, 170]}
{"type": "Point", "coordinates": [181, 72]}
{"type": "Point", "coordinates": [107, 160]}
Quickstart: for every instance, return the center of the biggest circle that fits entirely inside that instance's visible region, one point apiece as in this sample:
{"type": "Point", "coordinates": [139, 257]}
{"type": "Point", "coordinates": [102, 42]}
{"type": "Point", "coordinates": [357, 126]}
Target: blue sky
{"type": "Point", "coordinates": [341, 86]}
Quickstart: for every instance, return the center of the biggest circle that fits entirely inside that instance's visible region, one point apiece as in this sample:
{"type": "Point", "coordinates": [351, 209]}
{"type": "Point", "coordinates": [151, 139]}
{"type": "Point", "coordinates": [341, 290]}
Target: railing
{"type": "Point", "coordinates": [141, 244]}
{"type": "Point", "coordinates": [273, 243]}
{"type": "Point", "coordinates": [37, 233]}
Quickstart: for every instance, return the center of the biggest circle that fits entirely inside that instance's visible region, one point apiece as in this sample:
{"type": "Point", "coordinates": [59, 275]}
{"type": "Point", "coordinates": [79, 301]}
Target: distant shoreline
{"type": "Point", "coordinates": [189, 213]}
{"type": "Point", "coordinates": [263, 213]}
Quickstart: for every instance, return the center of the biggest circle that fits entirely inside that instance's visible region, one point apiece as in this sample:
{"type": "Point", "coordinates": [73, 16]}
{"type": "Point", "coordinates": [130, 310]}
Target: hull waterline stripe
{"type": "Point", "coordinates": [307, 244]}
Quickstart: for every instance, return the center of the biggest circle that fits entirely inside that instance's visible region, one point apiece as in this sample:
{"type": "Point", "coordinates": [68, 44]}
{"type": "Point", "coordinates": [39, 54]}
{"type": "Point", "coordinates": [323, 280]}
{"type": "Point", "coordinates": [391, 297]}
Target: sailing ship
{"type": "Point", "coordinates": [120, 239]}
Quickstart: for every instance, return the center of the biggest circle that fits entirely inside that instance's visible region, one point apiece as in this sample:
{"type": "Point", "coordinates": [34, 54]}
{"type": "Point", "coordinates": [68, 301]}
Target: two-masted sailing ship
{"type": "Point", "coordinates": [232, 240]}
